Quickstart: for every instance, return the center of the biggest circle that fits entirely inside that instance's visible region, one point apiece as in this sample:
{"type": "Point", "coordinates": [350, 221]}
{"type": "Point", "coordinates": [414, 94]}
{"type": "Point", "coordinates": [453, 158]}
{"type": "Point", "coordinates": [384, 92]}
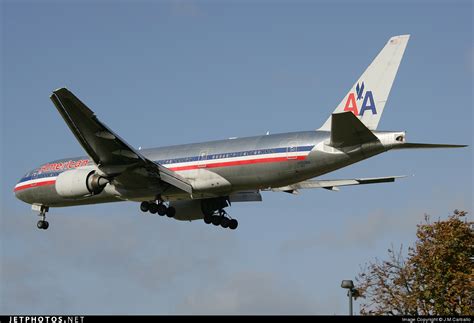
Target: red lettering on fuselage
{"type": "Point", "coordinates": [66, 165]}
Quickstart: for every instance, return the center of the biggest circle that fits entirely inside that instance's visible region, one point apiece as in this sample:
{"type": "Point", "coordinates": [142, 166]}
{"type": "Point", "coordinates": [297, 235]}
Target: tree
{"type": "Point", "coordinates": [435, 278]}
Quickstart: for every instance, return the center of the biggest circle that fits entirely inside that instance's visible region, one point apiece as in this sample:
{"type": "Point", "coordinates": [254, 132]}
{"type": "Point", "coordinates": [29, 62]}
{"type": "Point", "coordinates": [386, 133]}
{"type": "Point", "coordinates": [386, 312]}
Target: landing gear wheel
{"type": "Point", "coordinates": [217, 220]}
{"type": "Point", "coordinates": [208, 218]}
{"type": "Point", "coordinates": [153, 208]}
{"type": "Point", "coordinates": [144, 206]}
{"type": "Point", "coordinates": [170, 212]}
{"type": "Point", "coordinates": [42, 224]}
{"type": "Point", "coordinates": [225, 223]}
{"type": "Point", "coordinates": [161, 209]}
{"type": "Point", "coordinates": [43, 209]}
{"type": "Point", "coordinates": [233, 224]}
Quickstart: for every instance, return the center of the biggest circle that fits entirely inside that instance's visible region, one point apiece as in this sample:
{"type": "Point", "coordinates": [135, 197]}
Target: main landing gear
{"type": "Point", "coordinates": [220, 217]}
{"type": "Point", "coordinates": [159, 208]}
{"type": "Point", "coordinates": [42, 224]}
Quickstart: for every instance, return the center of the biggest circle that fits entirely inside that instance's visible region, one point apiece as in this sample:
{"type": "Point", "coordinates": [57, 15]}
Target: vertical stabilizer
{"type": "Point", "coordinates": [367, 97]}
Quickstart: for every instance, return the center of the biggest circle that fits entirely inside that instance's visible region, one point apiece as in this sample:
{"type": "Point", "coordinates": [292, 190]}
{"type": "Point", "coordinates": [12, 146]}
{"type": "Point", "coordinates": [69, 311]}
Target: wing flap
{"type": "Point", "coordinates": [246, 196]}
{"type": "Point", "coordinates": [174, 179]}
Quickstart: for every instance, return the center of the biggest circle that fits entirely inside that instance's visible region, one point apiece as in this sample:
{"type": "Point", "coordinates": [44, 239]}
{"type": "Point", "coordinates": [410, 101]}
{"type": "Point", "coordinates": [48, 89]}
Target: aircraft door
{"type": "Point", "coordinates": [291, 150]}
{"type": "Point", "coordinates": [202, 163]}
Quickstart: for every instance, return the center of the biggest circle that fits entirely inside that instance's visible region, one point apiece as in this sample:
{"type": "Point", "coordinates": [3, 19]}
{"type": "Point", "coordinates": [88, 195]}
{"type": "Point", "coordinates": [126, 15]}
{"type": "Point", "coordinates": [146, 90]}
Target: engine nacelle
{"type": "Point", "coordinates": [196, 209]}
{"type": "Point", "coordinates": [78, 183]}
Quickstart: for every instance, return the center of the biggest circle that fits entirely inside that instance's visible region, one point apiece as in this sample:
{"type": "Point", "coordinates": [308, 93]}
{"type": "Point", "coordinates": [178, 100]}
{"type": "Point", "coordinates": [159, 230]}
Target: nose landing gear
{"type": "Point", "coordinates": [42, 224]}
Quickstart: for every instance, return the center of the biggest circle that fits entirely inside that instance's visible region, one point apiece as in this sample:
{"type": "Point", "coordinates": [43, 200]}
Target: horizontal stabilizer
{"type": "Point", "coordinates": [347, 130]}
{"type": "Point", "coordinates": [333, 184]}
{"type": "Point", "coordinates": [410, 145]}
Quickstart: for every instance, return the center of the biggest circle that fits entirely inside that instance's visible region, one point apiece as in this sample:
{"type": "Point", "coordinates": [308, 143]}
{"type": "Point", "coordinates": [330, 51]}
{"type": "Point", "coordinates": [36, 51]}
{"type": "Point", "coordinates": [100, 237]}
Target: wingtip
{"type": "Point", "coordinates": [394, 40]}
{"type": "Point", "coordinates": [60, 89]}
{"type": "Point", "coordinates": [458, 146]}
{"type": "Point", "coordinates": [401, 36]}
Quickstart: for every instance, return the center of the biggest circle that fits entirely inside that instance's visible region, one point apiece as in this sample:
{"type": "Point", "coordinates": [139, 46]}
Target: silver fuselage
{"type": "Point", "coordinates": [251, 163]}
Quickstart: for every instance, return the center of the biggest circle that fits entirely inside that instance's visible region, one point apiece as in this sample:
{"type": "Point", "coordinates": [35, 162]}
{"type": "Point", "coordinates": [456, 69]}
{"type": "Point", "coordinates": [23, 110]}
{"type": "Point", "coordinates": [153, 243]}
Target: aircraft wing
{"type": "Point", "coordinates": [334, 184]}
{"type": "Point", "coordinates": [112, 155]}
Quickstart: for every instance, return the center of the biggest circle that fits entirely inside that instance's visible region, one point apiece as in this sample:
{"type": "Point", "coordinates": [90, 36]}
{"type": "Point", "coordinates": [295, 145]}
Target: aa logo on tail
{"type": "Point", "coordinates": [368, 102]}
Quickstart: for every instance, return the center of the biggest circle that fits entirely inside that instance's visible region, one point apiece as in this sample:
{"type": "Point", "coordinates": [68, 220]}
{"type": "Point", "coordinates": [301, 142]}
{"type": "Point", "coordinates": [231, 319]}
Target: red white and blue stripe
{"type": "Point", "coordinates": [238, 158]}
{"type": "Point", "coordinates": [30, 181]}
{"type": "Point", "coordinates": [218, 160]}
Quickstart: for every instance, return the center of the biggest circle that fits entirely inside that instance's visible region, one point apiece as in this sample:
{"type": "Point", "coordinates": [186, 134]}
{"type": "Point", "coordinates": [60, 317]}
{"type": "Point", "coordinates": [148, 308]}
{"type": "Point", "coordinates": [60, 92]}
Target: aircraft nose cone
{"type": "Point", "coordinates": [20, 192]}
{"type": "Point", "coordinates": [20, 196]}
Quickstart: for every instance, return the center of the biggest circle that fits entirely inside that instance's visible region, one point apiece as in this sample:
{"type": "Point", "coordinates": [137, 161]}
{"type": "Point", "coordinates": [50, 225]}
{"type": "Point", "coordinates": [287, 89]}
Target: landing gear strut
{"type": "Point", "coordinates": [159, 208]}
{"type": "Point", "coordinates": [42, 224]}
{"type": "Point", "coordinates": [220, 217]}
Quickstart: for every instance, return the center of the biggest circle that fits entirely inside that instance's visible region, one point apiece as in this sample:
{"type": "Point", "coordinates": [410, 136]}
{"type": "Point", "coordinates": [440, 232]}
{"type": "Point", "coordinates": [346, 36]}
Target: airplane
{"type": "Point", "coordinates": [198, 181]}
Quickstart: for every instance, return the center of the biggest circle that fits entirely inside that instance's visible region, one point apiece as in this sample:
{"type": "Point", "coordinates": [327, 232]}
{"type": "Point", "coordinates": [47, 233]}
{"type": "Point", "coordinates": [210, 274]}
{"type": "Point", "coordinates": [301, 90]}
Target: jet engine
{"type": "Point", "coordinates": [78, 183]}
{"type": "Point", "coordinates": [197, 209]}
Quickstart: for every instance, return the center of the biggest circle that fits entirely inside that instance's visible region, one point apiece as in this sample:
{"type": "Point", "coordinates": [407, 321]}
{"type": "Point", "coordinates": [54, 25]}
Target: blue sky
{"type": "Point", "coordinates": [169, 72]}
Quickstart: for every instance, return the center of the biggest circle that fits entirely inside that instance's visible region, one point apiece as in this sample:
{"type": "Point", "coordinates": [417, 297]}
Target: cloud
{"type": "Point", "coordinates": [366, 230]}
{"type": "Point", "coordinates": [360, 231]}
{"type": "Point", "coordinates": [103, 259]}
{"type": "Point", "coordinates": [84, 259]}
{"type": "Point", "coordinates": [248, 293]}
{"type": "Point", "coordinates": [152, 266]}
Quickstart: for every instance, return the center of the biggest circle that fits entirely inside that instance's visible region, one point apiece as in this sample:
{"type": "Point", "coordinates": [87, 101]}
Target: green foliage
{"type": "Point", "coordinates": [435, 278]}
